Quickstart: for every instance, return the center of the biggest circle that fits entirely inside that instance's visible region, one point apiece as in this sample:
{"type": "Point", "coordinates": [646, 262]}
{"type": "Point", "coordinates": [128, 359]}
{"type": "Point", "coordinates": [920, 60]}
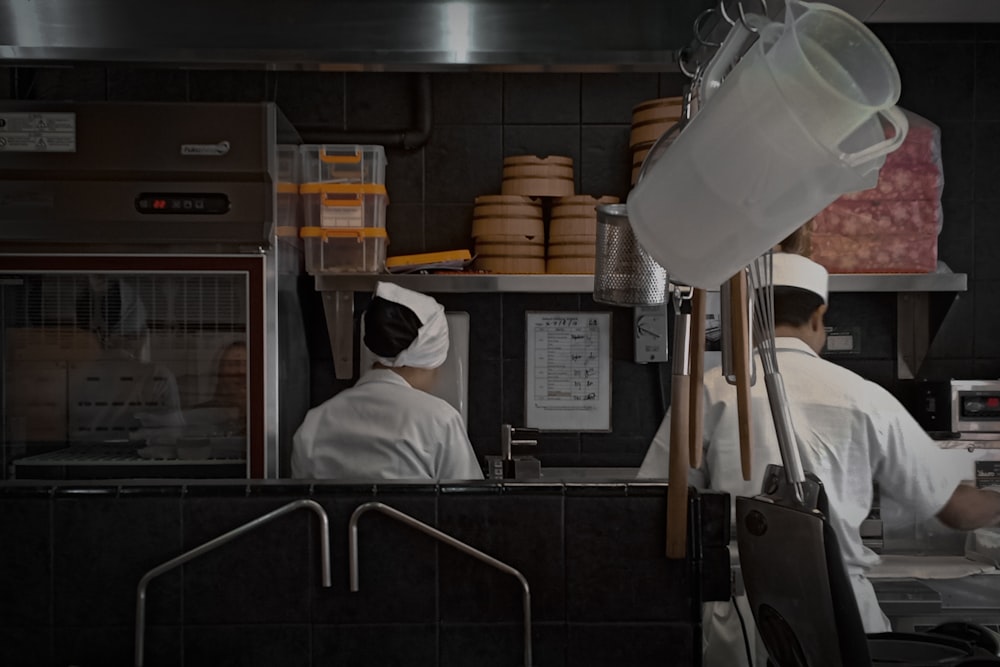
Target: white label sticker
{"type": "Point", "coordinates": [38, 132]}
{"type": "Point", "coordinates": [220, 148]}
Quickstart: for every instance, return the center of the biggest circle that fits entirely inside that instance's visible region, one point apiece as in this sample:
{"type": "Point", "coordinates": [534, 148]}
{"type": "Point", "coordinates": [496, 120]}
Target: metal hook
{"type": "Point", "coordinates": [698, 25]}
{"type": "Point", "coordinates": [743, 16]}
{"type": "Point", "coordinates": [680, 57]}
{"type": "Point", "coordinates": [725, 15]}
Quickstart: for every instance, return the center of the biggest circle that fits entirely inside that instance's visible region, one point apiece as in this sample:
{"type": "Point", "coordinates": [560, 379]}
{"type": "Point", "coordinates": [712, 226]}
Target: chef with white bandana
{"type": "Point", "coordinates": [849, 431]}
{"type": "Point", "coordinates": [387, 426]}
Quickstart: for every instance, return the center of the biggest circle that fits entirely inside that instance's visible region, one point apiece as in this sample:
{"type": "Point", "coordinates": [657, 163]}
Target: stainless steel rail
{"type": "Point", "coordinates": [352, 538]}
{"type": "Point", "coordinates": [324, 547]}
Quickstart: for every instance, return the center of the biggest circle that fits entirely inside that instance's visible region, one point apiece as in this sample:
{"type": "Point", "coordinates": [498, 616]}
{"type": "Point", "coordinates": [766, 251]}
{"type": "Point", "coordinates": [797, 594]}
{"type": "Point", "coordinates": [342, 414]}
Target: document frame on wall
{"type": "Point", "coordinates": [567, 378]}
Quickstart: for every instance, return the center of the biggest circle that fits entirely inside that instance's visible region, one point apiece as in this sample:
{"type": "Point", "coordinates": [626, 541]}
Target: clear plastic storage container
{"type": "Point", "coordinates": [342, 163]}
{"type": "Point", "coordinates": [344, 250]}
{"type": "Point", "coordinates": [338, 205]}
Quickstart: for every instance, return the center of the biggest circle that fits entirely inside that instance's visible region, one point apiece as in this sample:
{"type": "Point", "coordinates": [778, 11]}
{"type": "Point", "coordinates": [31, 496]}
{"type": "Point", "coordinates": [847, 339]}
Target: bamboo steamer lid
{"type": "Point", "coordinates": [514, 239]}
{"type": "Point", "coordinates": [507, 200]}
{"type": "Point", "coordinates": [538, 171]}
{"type": "Point", "coordinates": [572, 239]}
{"type": "Point", "coordinates": [586, 199]}
{"type": "Point", "coordinates": [510, 250]}
{"type": "Point", "coordinates": [570, 265]}
{"type": "Point", "coordinates": [539, 187]}
{"type": "Point", "coordinates": [511, 264]}
{"type": "Point", "coordinates": [534, 176]}
{"type": "Point", "coordinates": [573, 227]}
{"type": "Point", "coordinates": [658, 109]}
{"type": "Point", "coordinates": [536, 160]}
{"type": "Point", "coordinates": [507, 211]}
{"type": "Point", "coordinates": [637, 159]}
{"type": "Point", "coordinates": [508, 227]}
{"type": "Point", "coordinates": [580, 206]}
{"type": "Point", "coordinates": [572, 250]}
{"type": "Point", "coordinates": [648, 132]}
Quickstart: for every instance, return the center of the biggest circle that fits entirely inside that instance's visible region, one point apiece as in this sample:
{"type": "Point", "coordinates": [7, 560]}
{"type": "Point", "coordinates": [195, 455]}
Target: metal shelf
{"type": "Point", "coordinates": [922, 301]}
{"type": "Point", "coordinates": [467, 283]}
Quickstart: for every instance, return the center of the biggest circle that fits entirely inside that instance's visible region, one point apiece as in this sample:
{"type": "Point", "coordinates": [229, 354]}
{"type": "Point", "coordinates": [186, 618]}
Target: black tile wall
{"type": "Point", "coordinates": [634, 644]}
{"type": "Point", "coordinates": [6, 83]}
{"type": "Point", "coordinates": [80, 84]}
{"type": "Point", "coordinates": [28, 647]}
{"type": "Point", "coordinates": [101, 547]}
{"type": "Point", "coordinates": [27, 523]}
{"type": "Point", "coordinates": [615, 569]}
{"type": "Point", "coordinates": [602, 591]}
{"type": "Point", "coordinates": [533, 99]}
{"type": "Point", "coordinates": [385, 645]}
{"type": "Point", "coordinates": [248, 646]}
{"type": "Point", "coordinates": [379, 101]}
{"type": "Point", "coordinates": [609, 98]}
{"type": "Point", "coordinates": [310, 97]}
{"type": "Point", "coordinates": [397, 577]}
{"type": "Point", "coordinates": [227, 86]}
{"type": "Point", "coordinates": [266, 579]}
{"type": "Point", "coordinates": [538, 554]}
{"type": "Point", "coordinates": [463, 162]}
{"type": "Point", "coordinates": [95, 646]}
{"type": "Point", "coordinates": [501, 645]}
{"type": "Point", "coordinates": [147, 85]}
{"type": "Point", "coordinates": [473, 98]}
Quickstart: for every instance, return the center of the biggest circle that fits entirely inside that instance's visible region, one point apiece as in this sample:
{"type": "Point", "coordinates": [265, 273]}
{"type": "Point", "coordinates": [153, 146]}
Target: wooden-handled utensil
{"type": "Point", "coordinates": [697, 347]}
{"type": "Point", "coordinates": [680, 394]}
{"type": "Point", "coordinates": [739, 319]}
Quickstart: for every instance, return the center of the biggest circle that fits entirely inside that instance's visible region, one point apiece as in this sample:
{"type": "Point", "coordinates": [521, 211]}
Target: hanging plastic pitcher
{"type": "Point", "coordinates": [797, 123]}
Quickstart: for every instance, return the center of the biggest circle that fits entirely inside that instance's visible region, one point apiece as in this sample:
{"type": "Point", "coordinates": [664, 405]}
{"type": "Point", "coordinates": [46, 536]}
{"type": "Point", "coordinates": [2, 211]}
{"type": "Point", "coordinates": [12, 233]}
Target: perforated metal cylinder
{"type": "Point", "coordinates": [624, 273]}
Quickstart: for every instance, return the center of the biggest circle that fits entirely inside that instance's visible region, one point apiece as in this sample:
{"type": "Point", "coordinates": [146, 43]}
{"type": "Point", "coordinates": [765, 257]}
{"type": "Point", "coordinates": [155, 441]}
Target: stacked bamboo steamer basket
{"type": "Point", "coordinates": [573, 233]}
{"type": "Point", "coordinates": [650, 119]}
{"type": "Point", "coordinates": [534, 176]}
{"type": "Point", "coordinates": [508, 232]}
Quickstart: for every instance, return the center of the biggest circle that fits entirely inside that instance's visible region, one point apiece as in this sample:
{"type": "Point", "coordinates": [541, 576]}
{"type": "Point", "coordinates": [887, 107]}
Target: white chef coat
{"type": "Point", "coordinates": [850, 431]}
{"type": "Point", "coordinates": [383, 428]}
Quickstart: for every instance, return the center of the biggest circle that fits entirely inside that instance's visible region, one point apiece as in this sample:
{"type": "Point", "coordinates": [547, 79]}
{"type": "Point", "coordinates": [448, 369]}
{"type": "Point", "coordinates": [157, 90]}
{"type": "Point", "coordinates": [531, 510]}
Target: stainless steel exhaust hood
{"type": "Point", "coordinates": [404, 35]}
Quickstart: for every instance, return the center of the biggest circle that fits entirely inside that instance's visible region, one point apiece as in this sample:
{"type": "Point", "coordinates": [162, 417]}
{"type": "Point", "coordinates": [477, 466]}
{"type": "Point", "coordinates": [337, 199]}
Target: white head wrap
{"type": "Point", "coordinates": [791, 270]}
{"type": "Point", "coordinates": [129, 311]}
{"type": "Point", "coordinates": [430, 348]}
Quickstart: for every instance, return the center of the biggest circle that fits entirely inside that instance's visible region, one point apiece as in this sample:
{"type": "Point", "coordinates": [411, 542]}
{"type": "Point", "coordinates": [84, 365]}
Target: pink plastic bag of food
{"type": "Point", "coordinates": [893, 227]}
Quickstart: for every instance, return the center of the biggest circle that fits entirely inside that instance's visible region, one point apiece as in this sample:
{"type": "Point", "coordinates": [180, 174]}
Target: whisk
{"type": "Point", "coordinates": [762, 286]}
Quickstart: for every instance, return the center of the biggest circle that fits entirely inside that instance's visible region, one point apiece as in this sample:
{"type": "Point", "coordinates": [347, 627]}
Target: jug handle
{"type": "Point", "coordinates": [897, 119]}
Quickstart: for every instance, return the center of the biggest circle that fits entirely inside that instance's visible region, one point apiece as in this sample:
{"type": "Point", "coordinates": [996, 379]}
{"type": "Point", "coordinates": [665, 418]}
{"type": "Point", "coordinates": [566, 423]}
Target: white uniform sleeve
{"type": "Point", "coordinates": [302, 463]}
{"type": "Point", "coordinates": [456, 458]}
{"type": "Point", "coordinates": [910, 468]}
{"type": "Point", "coordinates": [656, 464]}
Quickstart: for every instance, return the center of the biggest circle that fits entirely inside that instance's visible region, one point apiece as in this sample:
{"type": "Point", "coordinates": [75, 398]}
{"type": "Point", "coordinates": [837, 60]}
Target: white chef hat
{"type": "Point", "coordinates": [429, 347]}
{"type": "Point", "coordinates": [122, 310]}
{"type": "Point", "coordinates": [791, 270]}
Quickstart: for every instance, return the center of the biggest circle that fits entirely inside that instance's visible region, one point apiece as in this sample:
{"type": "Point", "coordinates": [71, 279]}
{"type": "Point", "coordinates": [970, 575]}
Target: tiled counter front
{"type": "Point", "coordinates": [602, 591]}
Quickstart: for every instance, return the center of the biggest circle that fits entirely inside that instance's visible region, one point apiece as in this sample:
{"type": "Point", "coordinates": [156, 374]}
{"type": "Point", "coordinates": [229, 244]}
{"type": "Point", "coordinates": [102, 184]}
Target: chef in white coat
{"type": "Point", "coordinates": [849, 431]}
{"type": "Point", "coordinates": [387, 426]}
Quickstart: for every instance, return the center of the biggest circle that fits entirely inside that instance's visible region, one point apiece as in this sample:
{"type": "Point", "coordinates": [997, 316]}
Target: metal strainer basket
{"type": "Point", "coordinates": [624, 273]}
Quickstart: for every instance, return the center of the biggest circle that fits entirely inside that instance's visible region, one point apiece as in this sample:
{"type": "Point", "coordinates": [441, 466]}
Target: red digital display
{"type": "Point", "coordinates": [993, 402]}
{"type": "Point", "coordinates": [209, 203]}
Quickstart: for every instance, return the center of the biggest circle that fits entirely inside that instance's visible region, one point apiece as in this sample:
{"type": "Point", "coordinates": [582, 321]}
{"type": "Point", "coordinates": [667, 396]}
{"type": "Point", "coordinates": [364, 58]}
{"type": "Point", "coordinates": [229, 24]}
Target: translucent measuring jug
{"type": "Point", "coordinates": [774, 145]}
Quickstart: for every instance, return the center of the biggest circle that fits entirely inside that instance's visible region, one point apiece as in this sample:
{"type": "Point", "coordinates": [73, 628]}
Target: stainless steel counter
{"type": "Point", "coordinates": [919, 604]}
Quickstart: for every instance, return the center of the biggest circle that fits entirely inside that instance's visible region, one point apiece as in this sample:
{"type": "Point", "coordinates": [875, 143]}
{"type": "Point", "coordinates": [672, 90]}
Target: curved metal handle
{"type": "Point", "coordinates": [324, 545]}
{"type": "Point", "coordinates": [352, 538]}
